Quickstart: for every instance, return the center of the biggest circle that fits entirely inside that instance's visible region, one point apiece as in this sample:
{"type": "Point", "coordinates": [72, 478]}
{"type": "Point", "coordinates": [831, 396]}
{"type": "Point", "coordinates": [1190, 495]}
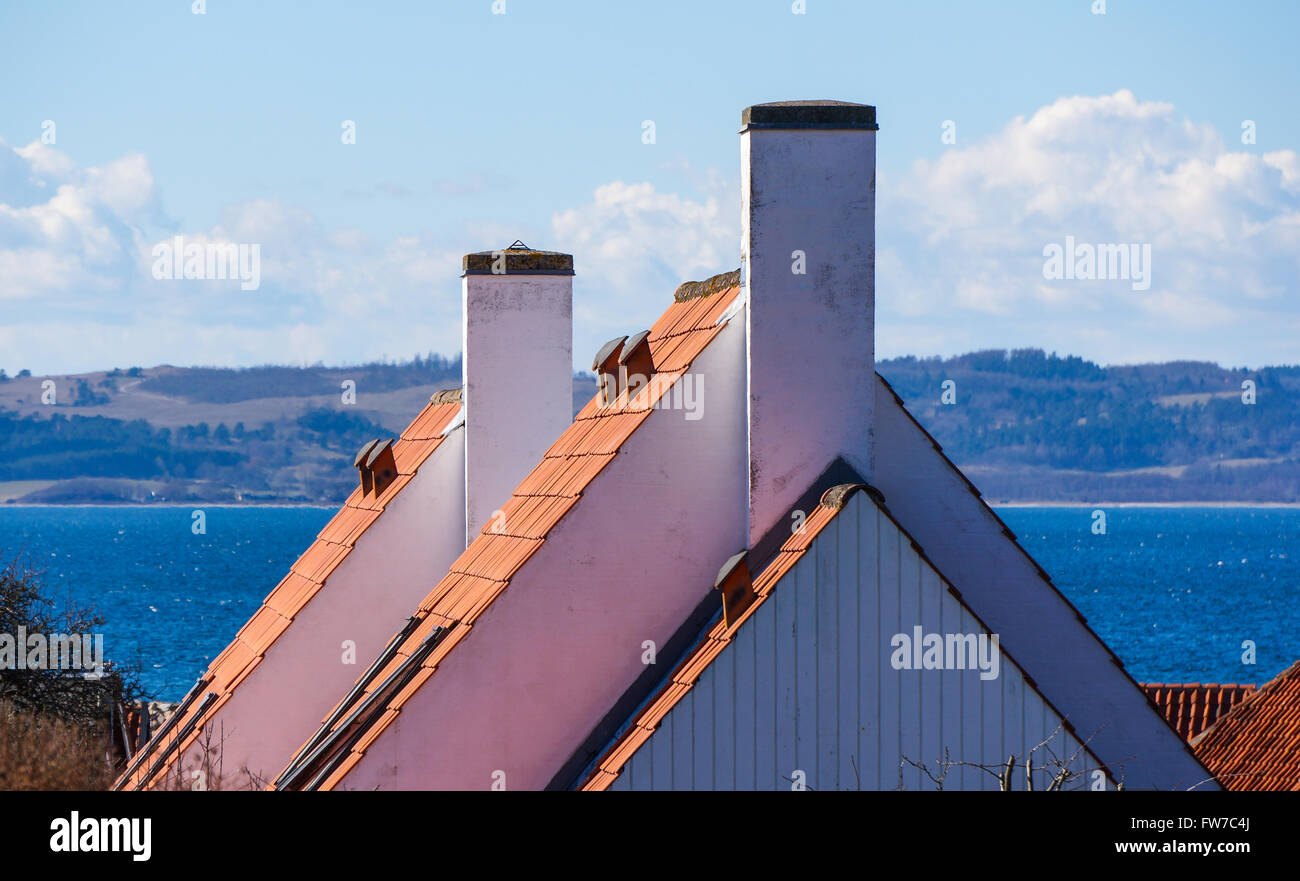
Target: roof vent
{"type": "Point", "coordinates": [635, 366]}
{"type": "Point", "coordinates": [367, 479]}
{"type": "Point", "coordinates": [604, 365]}
{"type": "Point", "coordinates": [381, 465]}
{"type": "Point", "coordinates": [736, 585]}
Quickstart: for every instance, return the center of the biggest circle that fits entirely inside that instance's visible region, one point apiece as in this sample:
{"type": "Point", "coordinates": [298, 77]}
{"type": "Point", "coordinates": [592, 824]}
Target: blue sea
{"type": "Point", "coordinates": [1174, 591]}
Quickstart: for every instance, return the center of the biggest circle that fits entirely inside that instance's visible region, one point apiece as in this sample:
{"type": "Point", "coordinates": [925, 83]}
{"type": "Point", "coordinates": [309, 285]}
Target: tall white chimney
{"type": "Point", "coordinates": [808, 251]}
{"type": "Point", "coordinates": [518, 370]}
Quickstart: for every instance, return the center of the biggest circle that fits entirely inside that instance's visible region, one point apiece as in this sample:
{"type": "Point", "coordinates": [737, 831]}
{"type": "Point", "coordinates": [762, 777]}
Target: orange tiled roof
{"type": "Point", "coordinates": [306, 577]}
{"type": "Point", "coordinates": [1257, 744]}
{"type": "Point", "coordinates": [1191, 707]}
{"type": "Point", "coordinates": [719, 636]}
{"type": "Point", "coordinates": [487, 566]}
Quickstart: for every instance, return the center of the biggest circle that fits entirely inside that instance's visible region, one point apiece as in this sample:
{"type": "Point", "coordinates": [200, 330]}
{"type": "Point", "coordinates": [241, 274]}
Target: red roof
{"type": "Point", "coordinates": [1191, 707]}
{"type": "Point", "coordinates": [1257, 744]}
{"type": "Point", "coordinates": [306, 577]}
{"type": "Point", "coordinates": [487, 566]}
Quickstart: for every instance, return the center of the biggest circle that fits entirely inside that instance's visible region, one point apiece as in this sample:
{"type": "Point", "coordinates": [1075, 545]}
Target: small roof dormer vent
{"type": "Point", "coordinates": [635, 366]}
{"type": "Point", "coordinates": [367, 479]}
{"type": "Point", "coordinates": [381, 465]}
{"type": "Point", "coordinates": [605, 366]}
{"type": "Point", "coordinates": [736, 585]}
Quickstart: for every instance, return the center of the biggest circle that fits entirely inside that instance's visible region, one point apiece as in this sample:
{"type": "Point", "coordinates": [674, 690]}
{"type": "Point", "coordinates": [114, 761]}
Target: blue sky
{"type": "Point", "coordinates": [473, 129]}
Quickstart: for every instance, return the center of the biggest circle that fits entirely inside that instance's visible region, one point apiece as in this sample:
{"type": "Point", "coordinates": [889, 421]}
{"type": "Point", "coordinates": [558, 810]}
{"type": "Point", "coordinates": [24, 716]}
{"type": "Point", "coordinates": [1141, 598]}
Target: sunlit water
{"type": "Point", "coordinates": [1174, 591]}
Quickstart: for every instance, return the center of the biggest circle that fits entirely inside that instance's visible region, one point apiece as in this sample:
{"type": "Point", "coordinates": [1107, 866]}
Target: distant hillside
{"type": "Point", "coordinates": [1030, 426]}
{"type": "Point", "coordinates": [1025, 425]}
{"type": "Point", "coordinates": [173, 434]}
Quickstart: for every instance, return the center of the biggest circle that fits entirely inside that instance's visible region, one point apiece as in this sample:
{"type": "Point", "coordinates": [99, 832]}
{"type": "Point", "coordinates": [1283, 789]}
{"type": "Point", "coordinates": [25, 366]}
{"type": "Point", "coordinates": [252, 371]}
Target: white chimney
{"type": "Point", "coordinates": [518, 370]}
{"type": "Point", "coordinates": [808, 250]}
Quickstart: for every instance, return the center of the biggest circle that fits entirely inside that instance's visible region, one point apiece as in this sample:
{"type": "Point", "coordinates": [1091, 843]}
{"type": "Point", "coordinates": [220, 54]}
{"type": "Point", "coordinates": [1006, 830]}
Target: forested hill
{"type": "Point", "coordinates": [1025, 425]}
{"type": "Point", "coordinates": [1032, 426]}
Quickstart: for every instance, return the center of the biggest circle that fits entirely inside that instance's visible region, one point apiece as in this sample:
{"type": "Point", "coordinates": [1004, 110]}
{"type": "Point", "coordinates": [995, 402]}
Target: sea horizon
{"type": "Point", "coordinates": [1173, 589]}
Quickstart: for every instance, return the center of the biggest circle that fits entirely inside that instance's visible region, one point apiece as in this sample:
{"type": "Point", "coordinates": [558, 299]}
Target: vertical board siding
{"type": "Point", "coordinates": [807, 685]}
{"type": "Point", "coordinates": [848, 671]}
{"type": "Point", "coordinates": [888, 747]}
{"type": "Point", "coordinates": [950, 696]}
{"type": "Point", "coordinates": [869, 688]}
{"type": "Point", "coordinates": [821, 590]}
{"type": "Point", "coordinates": [681, 719]}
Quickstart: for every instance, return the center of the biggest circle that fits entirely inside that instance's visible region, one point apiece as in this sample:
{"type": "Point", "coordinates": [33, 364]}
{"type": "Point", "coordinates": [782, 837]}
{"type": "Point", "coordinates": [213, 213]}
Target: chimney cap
{"type": "Point", "coordinates": [809, 115]}
{"type": "Point", "coordinates": [517, 259]}
{"type": "Point", "coordinates": [447, 396]}
{"type": "Point", "coordinates": [689, 290]}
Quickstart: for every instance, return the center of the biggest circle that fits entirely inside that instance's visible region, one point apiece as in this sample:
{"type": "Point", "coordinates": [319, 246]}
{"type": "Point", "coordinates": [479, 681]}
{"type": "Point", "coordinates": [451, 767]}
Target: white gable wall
{"type": "Point", "coordinates": [807, 685]}
{"type": "Point", "coordinates": [1071, 665]}
{"type": "Point", "coordinates": [558, 648]}
{"type": "Point", "coordinates": [372, 591]}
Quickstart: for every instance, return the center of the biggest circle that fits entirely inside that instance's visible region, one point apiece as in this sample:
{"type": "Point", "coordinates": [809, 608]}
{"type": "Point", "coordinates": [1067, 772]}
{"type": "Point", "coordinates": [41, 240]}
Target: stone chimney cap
{"type": "Point", "coordinates": [517, 259]}
{"type": "Point", "coordinates": [809, 115]}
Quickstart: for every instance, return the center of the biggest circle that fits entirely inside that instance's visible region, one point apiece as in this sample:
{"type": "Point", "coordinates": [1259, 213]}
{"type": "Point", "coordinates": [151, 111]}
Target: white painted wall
{"type": "Point", "coordinates": [807, 685]}
{"type": "Point", "coordinates": [366, 600]}
{"type": "Point", "coordinates": [562, 643]}
{"type": "Point", "coordinates": [1071, 665]}
{"type": "Point", "coordinates": [518, 369]}
{"type": "Point", "coordinates": [811, 336]}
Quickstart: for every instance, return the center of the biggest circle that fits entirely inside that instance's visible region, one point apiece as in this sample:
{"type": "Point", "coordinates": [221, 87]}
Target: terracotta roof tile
{"type": "Point", "coordinates": [294, 592]}
{"type": "Point", "coordinates": [573, 437]}
{"type": "Point", "coordinates": [306, 577]}
{"type": "Point", "coordinates": [680, 356]}
{"type": "Point", "coordinates": [430, 423]}
{"type": "Point", "coordinates": [542, 499]}
{"type": "Point", "coordinates": [262, 629]}
{"type": "Point", "coordinates": [342, 771]}
{"type": "Point", "coordinates": [1256, 745]}
{"type": "Point", "coordinates": [531, 516]}
{"type": "Point", "coordinates": [668, 322]}
{"type": "Point", "coordinates": [444, 648]}
{"type": "Point", "coordinates": [389, 715]}
{"type": "Point", "coordinates": [715, 311]}
{"type": "Point", "coordinates": [411, 455]}
{"type": "Point", "coordinates": [232, 664]}
{"type": "Point", "coordinates": [240, 677]}
{"type": "Point", "coordinates": [1191, 707]}
{"type": "Point", "coordinates": [447, 587]}
{"type": "Point", "coordinates": [399, 483]}
{"type": "Point", "coordinates": [496, 558]}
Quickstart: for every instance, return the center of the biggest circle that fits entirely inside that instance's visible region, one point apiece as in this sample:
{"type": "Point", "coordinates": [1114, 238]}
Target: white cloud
{"type": "Point", "coordinates": [633, 246]}
{"type": "Point", "coordinates": [1223, 224]}
{"type": "Point", "coordinates": [62, 228]}
{"type": "Point", "coordinates": [77, 291]}
{"type": "Point", "coordinates": [960, 255]}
